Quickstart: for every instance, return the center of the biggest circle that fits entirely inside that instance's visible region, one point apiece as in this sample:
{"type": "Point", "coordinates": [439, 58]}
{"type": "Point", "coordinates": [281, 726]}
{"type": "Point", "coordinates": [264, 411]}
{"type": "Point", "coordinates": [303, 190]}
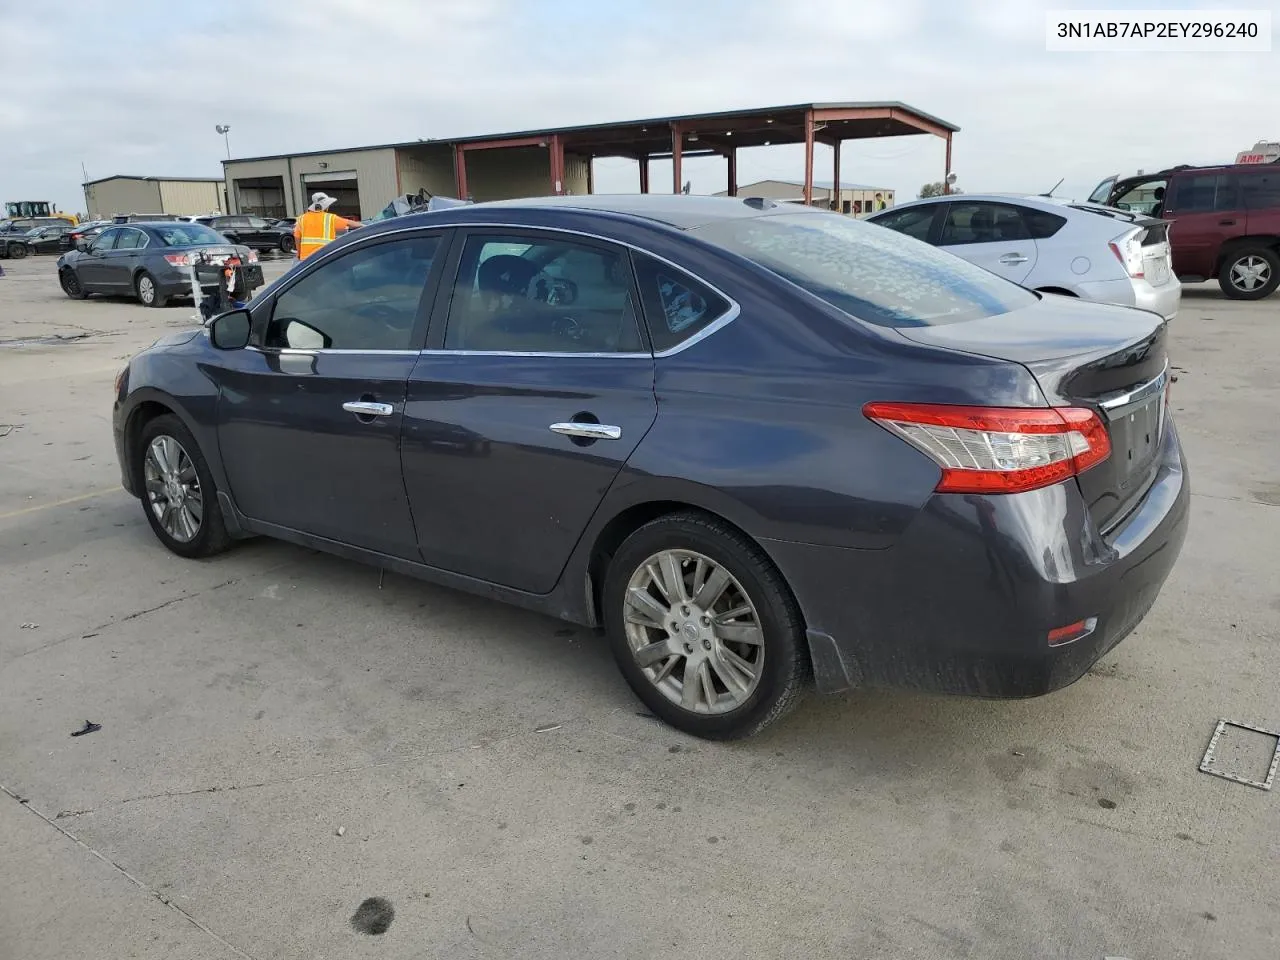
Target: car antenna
{"type": "Point", "coordinates": [1053, 188]}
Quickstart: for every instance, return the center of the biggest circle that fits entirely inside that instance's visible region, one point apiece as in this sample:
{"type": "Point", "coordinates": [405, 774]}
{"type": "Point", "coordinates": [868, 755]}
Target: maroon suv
{"type": "Point", "coordinates": [1225, 221]}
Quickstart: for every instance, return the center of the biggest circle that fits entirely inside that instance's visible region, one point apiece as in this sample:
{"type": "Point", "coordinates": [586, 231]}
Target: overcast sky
{"type": "Point", "coordinates": [136, 86]}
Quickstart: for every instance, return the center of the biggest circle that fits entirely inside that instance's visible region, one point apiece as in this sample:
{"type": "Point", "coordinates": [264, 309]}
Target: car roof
{"type": "Point", "coordinates": [680, 211]}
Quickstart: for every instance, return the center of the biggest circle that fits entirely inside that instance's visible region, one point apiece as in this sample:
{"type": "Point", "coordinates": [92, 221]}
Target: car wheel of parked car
{"type": "Point", "coordinates": [179, 496]}
{"type": "Point", "coordinates": [1250, 273]}
{"type": "Point", "coordinates": [704, 628]}
{"type": "Point", "coordinates": [286, 244]}
{"type": "Point", "coordinates": [148, 292]}
{"type": "Point", "coordinates": [70, 284]}
{"type": "Point", "coordinates": [17, 251]}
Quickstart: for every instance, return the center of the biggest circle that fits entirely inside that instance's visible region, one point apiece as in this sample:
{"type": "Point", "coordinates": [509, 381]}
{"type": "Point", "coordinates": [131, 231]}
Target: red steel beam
{"type": "Point", "coordinates": [460, 171]}
{"type": "Point", "coordinates": [808, 157]}
{"type": "Point", "coordinates": [591, 177]}
{"type": "Point", "coordinates": [732, 157]}
{"type": "Point", "coordinates": [838, 193]}
{"type": "Point", "coordinates": [677, 146]}
{"type": "Point", "coordinates": [644, 173]}
{"type": "Point", "coordinates": [556, 147]}
{"type": "Point", "coordinates": [946, 187]}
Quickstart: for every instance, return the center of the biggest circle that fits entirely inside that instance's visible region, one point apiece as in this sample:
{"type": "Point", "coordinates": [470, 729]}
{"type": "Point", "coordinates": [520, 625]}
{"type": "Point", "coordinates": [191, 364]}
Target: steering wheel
{"type": "Point", "coordinates": [553, 291]}
{"type": "Point", "coordinates": [568, 328]}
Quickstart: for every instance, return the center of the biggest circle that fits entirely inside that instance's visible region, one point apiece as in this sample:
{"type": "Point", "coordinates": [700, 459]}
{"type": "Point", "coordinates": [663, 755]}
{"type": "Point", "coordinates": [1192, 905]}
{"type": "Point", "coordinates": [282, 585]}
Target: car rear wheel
{"type": "Point", "coordinates": [286, 244]}
{"type": "Point", "coordinates": [1250, 273]}
{"type": "Point", "coordinates": [704, 628]}
{"type": "Point", "coordinates": [70, 284]}
{"type": "Point", "coordinates": [17, 251]}
{"type": "Point", "coordinates": [179, 496]}
{"type": "Point", "coordinates": [148, 291]}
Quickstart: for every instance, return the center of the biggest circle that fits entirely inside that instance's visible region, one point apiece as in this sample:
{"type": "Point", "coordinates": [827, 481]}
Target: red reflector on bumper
{"type": "Point", "coordinates": [1060, 636]}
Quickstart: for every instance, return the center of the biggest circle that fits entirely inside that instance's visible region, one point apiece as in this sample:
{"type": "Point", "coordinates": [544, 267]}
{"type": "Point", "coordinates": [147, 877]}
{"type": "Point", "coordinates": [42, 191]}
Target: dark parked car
{"type": "Point", "coordinates": [150, 261]}
{"type": "Point", "coordinates": [83, 233]}
{"type": "Point", "coordinates": [253, 232]}
{"type": "Point", "coordinates": [13, 234]}
{"type": "Point", "coordinates": [1225, 221]}
{"type": "Point", "coordinates": [757, 443]}
{"type": "Point", "coordinates": [47, 239]}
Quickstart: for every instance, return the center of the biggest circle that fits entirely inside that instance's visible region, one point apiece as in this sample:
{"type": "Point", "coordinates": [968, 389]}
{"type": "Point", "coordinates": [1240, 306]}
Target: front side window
{"type": "Point", "coordinates": [367, 299]}
{"type": "Point", "coordinates": [875, 275]}
{"type": "Point", "coordinates": [516, 295]}
{"type": "Point", "coordinates": [131, 240]}
{"type": "Point", "coordinates": [913, 221]}
{"type": "Point", "coordinates": [1146, 197]}
{"type": "Point", "coordinates": [105, 241]}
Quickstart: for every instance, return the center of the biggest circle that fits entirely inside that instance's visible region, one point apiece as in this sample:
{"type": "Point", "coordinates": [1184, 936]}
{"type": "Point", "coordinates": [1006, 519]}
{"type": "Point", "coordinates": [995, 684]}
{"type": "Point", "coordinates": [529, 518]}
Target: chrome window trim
{"type": "Point", "coordinates": [730, 314]}
{"type": "Point", "coordinates": [1115, 405]}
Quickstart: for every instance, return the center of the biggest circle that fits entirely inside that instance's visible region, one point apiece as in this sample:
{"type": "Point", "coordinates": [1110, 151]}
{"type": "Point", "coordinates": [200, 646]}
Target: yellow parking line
{"type": "Point", "coordinates": [57, 503]}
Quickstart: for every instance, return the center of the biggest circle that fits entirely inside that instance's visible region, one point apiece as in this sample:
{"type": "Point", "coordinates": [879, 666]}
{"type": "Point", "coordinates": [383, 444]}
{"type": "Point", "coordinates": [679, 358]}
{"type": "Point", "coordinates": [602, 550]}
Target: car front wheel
{"type": "Point", "coordinates": [286, 244]}
{"type": "Point", "coordinates": [70, 284]}
{"type": "Point", "coordinates": [1250, 273]}
{"type": "Point", "coordinates": [179, 496]}
{"type": "Point", "coordinates": [17, 251]}
{"type": "Point", "coordinates": [704, 628]}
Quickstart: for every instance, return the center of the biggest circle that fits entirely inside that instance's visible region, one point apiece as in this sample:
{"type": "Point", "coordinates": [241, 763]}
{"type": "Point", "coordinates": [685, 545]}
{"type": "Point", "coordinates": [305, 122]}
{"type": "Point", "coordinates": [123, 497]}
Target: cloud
{"type": "Point", "coordinates": [143, 93]}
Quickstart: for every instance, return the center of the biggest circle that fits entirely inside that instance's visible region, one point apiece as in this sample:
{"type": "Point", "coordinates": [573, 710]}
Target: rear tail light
{"type": "Point", "coordinates": [1128, 250]}
{"type": "Point", "coordinates": [253, 256]}
{"type": "Point", "coordinates": [998, 449]}
{"type": "Point", "coordinates": [178, 259]}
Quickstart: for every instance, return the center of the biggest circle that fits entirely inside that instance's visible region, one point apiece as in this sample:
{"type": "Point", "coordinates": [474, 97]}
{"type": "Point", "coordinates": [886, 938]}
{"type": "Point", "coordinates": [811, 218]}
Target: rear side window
{"type": "Point", "coordinates": [1260, 191]}
{"type": "Point", "coordinates": [1041, 224]}
{"type": "Point", "coordinates": [1203, 193]}
{"type": "Point", "coordinates": [982, 223]}
{"type": "Point", "coordinates": [875, 275]}
{"type": "Point", "coordinates": [676, 305]}
{"type": "Point", "coordinates": [913, 221]}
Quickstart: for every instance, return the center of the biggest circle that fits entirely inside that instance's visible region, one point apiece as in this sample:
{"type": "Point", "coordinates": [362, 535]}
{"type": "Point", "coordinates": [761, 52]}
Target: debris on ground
{"type": "Point", "coordinates": [30, 626]}
{"type": "Point", "coordinates": [340, 831]}
{"type": "Point", "coordinates": [89, 727]}
{"type": "Point", "coordinates": [373, 916]}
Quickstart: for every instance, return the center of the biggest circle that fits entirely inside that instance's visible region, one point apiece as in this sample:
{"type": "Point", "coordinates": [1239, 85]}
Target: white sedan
{"type": "Point", "coordinates": [1054, 246]}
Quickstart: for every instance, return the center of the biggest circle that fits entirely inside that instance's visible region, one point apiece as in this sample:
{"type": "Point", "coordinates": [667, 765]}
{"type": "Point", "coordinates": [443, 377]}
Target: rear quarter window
{"type": "Point", "coordinates": [1041, 224]}
{"type": "Point", "coordinates": [676, 306]}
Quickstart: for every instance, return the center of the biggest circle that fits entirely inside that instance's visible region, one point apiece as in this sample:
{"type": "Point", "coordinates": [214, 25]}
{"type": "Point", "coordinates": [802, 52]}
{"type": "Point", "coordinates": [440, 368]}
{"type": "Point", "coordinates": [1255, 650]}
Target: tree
{"type": "Point", "coordinates": [936, 189]}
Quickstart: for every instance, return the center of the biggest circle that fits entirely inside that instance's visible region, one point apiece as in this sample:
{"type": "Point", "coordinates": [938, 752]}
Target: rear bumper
{"type": "Point", "coordinates": [1164, 299]}
{"type": "Point", "coordinates": [175, 282]}
{"type": "Point", "coordinates": [964, 601]}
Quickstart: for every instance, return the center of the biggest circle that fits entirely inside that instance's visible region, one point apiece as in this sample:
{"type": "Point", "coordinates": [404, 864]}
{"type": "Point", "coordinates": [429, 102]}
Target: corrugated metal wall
{"type": "Point", "coordinates": [429, 167]}
{"type": "Point", "coordinates": [374, 171]}
{"type": "Point", "coordinates": [122, 195]}
{"type": "Point", "coordinates": [190, 197]}
{"type": "Point", "coordinates": [505, 174]}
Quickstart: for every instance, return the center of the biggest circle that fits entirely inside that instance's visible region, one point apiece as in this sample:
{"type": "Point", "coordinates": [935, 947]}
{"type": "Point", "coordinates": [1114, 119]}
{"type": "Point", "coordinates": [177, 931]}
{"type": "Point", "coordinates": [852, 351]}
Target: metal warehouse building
{"type": "Point", "coordinates": [558, 160]}
{"type": "Point", "coordinates": [850, 198]}
{"type": "Point", "coordinates": [182, 196]}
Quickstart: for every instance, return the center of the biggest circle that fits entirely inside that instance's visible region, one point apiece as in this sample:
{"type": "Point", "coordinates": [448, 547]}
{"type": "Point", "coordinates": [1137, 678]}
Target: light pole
{"type": "Point", "coordinates": [224, 129]}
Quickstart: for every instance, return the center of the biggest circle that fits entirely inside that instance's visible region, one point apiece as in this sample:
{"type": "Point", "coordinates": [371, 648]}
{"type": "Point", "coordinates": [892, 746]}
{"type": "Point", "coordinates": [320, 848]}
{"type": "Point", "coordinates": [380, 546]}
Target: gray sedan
{"type": "Point", "coordinates": [151, 261]}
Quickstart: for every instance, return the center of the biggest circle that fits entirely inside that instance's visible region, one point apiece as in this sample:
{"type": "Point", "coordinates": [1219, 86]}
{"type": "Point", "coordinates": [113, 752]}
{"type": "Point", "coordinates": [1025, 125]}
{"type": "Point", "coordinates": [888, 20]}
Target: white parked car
{"type": "Point", "coordinates": [1054, 246]}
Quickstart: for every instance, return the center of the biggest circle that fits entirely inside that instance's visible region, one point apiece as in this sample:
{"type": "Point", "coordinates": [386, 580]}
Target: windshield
{"type": "Point", "coordinates": [867, 271]}
{"type": "Point", "coordinates": [188, 235]}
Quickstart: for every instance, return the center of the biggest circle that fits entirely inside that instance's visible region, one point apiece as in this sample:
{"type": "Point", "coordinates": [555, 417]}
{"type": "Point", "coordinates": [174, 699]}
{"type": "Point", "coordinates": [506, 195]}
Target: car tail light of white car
{"type": "Point", "coordinates": [1128, 250]}
{"type": "Point", "coordinates": [998, 449]}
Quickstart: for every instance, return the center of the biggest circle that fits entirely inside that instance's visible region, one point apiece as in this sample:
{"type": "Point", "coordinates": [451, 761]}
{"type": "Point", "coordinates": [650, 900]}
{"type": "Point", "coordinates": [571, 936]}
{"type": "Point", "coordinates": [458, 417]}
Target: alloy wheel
{"type": "Point", "coordinates": [694, 632]}
{"type": "Point", "coordinates": [146, 289]}
{"type": "Point", "coordinates": [173, 488]}
{"type": "Point", "coordinates": [1250, 273]}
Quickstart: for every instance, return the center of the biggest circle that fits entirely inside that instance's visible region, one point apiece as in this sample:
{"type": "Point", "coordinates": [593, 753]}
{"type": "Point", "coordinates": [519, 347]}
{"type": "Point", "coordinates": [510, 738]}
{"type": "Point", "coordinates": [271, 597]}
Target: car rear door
{"type": "Point", "coordinates": [1207, 211]}
{"type": "Point", "coordinates": [537, 388]}
{"type": "Point", "coordinates": [1260, 190]}
{"type": "Point", "coordinates": [309, 416]}
{"type": "Point", "coordinates": [992, 235]}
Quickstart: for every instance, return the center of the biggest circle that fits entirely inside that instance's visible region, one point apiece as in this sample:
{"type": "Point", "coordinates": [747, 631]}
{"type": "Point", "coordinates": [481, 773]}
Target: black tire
{"type": "Point", "coordinates": [148, 291]}
{"type": "Point", "coordinates": [17, 251]}
{"type": "Point", "coordinates": [1244, 262]}
{"type": "Point", "coordinates": [211, 537]}
{"type": "Point", "coordinates": [286, 244]}
{"type": "Point", "coordinates": [70, 284]}
{"type": "Point", "coordinates": [786, 668]}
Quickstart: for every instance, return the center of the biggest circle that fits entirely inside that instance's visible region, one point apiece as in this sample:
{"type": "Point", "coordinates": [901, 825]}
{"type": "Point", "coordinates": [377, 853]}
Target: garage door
{"type": "Point", "coordinates": [343, 187]}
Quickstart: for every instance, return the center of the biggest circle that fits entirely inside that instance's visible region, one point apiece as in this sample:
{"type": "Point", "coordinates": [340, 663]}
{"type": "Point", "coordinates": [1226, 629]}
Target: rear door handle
{"type": "Point", "coordinates": [1226, 223]}
{"type": "Point", "coordinates": [1013, 258]}
{"type": "Point", "coordinates": [590, 431]}
{"type": "Point", "coordinates": [367, 408]}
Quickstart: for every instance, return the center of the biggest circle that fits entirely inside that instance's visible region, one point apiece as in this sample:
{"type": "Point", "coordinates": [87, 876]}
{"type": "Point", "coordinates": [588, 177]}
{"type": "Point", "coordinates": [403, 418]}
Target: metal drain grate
{"type": "Point", "coordinates": [1232, 753]}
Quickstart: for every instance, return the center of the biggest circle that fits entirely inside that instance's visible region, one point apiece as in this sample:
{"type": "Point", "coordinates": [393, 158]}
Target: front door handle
{"type": "Point", "coordinates": [588, 431]}
{"type": "Point", "coordinates": [1226, 223]}
{"type": "Point", "coordinates": [1011, 258]}
{"type": "Point", "coordinates": [367, 408]}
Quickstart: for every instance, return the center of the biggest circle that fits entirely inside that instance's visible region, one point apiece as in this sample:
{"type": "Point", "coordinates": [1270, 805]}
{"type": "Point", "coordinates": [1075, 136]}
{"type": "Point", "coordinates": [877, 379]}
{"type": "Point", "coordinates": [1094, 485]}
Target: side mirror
{"type": "Point", "coordinates": [82, 246]}
{"type": "Point", "coordinates": [303, 336]}
{"type": "Point", "coordinates": [230, 331]}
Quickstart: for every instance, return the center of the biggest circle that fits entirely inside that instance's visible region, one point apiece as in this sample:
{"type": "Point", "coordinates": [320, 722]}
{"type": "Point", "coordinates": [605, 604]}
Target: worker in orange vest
{"type": "Point", "coordinates": [317, 226]}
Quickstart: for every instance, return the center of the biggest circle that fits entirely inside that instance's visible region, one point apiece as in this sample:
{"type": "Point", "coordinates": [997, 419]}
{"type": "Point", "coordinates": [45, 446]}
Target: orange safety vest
{"type": "Point", "coordinates": [315, 229]}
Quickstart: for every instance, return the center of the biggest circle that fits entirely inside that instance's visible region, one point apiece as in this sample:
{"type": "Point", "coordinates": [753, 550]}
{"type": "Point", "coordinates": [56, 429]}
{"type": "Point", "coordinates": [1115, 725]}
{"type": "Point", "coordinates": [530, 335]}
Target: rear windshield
{"type": "Point", "coordinates": [869, 272]}
{"type": "Point", "coordinates": [188, 235]}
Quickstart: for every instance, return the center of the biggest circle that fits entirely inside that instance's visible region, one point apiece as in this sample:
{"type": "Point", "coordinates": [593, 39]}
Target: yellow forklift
{"type": "Point", "coordinates": [26, 209]}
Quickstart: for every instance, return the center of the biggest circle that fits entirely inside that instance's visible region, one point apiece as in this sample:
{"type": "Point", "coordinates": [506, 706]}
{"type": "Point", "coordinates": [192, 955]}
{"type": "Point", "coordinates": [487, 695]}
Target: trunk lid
{"type": "Point", "coordinates": [1110, 359]}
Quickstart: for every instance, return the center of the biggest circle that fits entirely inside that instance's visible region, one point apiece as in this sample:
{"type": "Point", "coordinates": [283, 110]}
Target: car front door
{"type": "Point", "coordinates": [916, 220]}
{"type": "Point", "coordinates": [1207, 211]}
{"type": "Point", "coordinates": [233, 228]}
{"type": "Point", "coordinates": [119, 262]}
{"type": "Point", "coordinates": [992, 235]}
{"type": "Point", "coordinates": [91, 265]}
{"type": "Point", "coordinates": [536, 390]}
{"type": "Point", "coordinates": [309, 416]}
{"type": "Point", "coordinates": [258, 234]}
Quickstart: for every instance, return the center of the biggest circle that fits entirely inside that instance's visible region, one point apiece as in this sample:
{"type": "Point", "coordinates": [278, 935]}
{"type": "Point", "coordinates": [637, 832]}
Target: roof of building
{"type": "Point", "coordinates": [818, 184]}
{"type": "Point", "coordinates": [749, 127]}
{"type": "Point", "coordinates": [125, 176]}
